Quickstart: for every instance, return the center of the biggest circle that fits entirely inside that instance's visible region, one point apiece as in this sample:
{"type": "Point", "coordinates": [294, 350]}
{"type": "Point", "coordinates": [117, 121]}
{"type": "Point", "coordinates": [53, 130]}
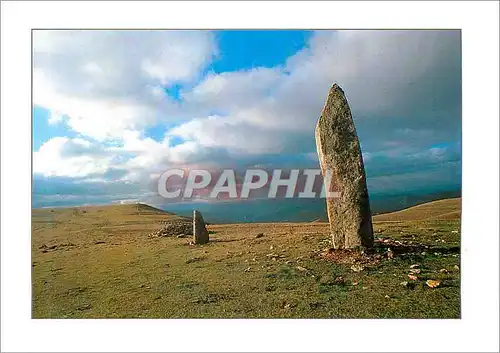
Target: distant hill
{"type": "Point", "coordinates": [110, 214]}
{"type": "Point", "coordinates": [291, 210]}
{"type": "Point", "coordinates": [449, 209]}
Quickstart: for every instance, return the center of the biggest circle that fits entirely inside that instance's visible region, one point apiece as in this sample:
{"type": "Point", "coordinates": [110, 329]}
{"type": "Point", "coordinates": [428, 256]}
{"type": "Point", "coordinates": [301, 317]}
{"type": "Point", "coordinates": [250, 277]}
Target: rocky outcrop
{"type": "Point", "coordinates": [173, 228]}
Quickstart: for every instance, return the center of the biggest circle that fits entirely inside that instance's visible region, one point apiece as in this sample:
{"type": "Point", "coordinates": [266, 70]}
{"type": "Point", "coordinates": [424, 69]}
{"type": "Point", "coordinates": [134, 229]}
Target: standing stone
{"type": "Point", "coordinates": [339, 151]}
{"type": "Point", "coordinates": [200, 232]}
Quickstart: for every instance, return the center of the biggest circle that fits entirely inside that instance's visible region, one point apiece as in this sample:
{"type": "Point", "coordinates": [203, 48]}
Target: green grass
{"type": "Point", "coordinates": [236, 275]}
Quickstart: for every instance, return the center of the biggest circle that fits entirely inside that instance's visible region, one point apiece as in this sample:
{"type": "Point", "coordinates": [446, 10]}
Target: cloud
{"type": "Point", "coordinates": [55, 117]}
{"type": "Point", "coordinates": [107, 82]}
{"type": "Point", "coordinates": [404, 88]}
{"type": "Point", "coordinates": [62, 156]}
{"type": "Point", "coordinates": [393, 79]}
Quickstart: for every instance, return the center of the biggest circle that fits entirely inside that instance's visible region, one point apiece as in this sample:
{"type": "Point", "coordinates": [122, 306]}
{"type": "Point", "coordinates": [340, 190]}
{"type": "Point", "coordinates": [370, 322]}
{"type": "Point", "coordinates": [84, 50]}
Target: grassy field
{"type": "Point", "coordinates": [98, 262]}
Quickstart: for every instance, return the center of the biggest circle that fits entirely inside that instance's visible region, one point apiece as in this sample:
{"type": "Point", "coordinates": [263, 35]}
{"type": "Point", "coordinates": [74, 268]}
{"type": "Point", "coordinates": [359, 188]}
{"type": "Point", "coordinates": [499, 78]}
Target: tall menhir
{"type": "Point", "coordinates": [339, 152]}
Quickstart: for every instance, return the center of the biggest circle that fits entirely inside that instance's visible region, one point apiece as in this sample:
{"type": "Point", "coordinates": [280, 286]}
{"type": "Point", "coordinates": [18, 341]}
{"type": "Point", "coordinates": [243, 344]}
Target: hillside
{"type": "Point", "coordinates": [449, 209]}
{"type": "Point", "coordinates": [98, 262]}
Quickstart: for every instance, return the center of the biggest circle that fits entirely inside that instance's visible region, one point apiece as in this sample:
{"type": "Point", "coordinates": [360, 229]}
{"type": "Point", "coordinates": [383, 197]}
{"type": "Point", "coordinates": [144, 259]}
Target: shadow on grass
{"type": "Point", "coordinates": [402, 249]}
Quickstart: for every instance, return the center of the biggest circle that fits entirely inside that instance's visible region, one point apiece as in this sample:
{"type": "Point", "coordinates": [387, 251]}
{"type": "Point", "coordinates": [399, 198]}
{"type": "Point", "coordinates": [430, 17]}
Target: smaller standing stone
{"type": "Point", "coordinates": [200, 232]}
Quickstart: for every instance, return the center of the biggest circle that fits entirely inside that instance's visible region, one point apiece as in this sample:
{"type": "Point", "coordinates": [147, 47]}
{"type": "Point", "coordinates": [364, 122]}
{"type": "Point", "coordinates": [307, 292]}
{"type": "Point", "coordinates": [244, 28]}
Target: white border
{"type": "Point", "coordinates": [477, 330]}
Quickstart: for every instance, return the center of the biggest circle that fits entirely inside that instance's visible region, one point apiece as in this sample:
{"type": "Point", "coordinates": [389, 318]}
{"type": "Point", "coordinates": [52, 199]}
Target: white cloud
{"type": "Point", "coordinates": [386, 73]}
{"type": "Point", "coordinates": [62, 156]}
{"type": "Point", "coordinates": [231, 133]}
{"type": "Point", "coordinates": [109, 87]}
{"type": "Point", "coordinates": [102, 79]}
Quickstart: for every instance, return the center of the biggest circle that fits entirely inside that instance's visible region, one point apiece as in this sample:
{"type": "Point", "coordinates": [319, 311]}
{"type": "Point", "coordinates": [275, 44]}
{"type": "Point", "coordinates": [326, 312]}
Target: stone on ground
{"type": "Point", "coordinates": [339, 152]}
{"type": "Point", "coordinates": [173, 228]}
{"type": "Point", "coordinates": [200, 231]}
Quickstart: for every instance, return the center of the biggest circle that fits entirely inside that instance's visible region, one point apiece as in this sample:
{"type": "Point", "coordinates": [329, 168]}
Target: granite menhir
{"type": "Point", "coordinates": [339, 152]}
{"type": "Point", "coordinates": [200, 232]}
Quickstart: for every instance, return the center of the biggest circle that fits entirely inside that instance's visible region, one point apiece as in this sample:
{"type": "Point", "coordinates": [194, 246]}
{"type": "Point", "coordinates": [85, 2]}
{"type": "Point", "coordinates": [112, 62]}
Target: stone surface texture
{"type": "Point", "coordinates": [339, 151]}
{"type": "Point", "coordinates": [200, 232]}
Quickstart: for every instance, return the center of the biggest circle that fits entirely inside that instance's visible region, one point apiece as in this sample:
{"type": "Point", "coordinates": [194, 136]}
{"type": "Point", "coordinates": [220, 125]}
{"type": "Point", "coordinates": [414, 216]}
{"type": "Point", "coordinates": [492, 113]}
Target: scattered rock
{"type": "Point", "coordinates": [173, 228]}
{"type": "Point", "coordinates": [99, 242]}
{"type": "Point", "coordinates": [199, 230]}
{"type": "Point", "coordinates": [412, 277]}
{"type": "Point", "coordinates": [443, 270]}
{"type": "Point", "coordinates": [404, 283]}
{"type": "Point", "coordinates": [339, 153]}
{"type": "Point", "coordinates": [456, 267]}
{"type": "Point", "coordinates": [357, 268]}
{"type": "Point", "coordinates": [302, 269]}
{"type": "Point", "coordinates": [248, 269]}
{"type": "Point", "coordinates": [415, 266]}
{"type": "Point", "coordinates": [415, 271]}
{"type": "Point", "coordinates": [387, 297]}
{"type": "Point", "coordinates": [260, 235]}
{"type": "Point", "coordinates": [286, 306]}
{"type": "Point", "coordinates": [433, 283]}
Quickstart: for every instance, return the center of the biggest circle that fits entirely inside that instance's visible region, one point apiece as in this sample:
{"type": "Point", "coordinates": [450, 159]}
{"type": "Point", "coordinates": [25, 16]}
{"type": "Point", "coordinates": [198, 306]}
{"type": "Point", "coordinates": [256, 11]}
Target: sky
{"type": "Point", "coordinates": [113, 109]}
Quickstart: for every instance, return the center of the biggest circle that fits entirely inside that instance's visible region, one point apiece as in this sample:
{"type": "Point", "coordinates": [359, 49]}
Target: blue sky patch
{"type": "Point", "coordinates": [247, 49]}
{"type": "Point", "coordinates": [43, 131]}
